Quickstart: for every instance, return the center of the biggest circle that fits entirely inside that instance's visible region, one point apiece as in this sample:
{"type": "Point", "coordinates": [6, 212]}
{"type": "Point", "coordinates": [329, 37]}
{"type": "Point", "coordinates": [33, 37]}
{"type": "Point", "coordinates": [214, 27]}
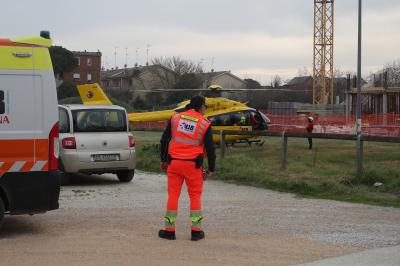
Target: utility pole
{"type": "Point", "coordinates": [115, 56]}
{"type": "Point", "coordinates": [358, 110]}
{"type": "Point", "coordinates": [147, 50]}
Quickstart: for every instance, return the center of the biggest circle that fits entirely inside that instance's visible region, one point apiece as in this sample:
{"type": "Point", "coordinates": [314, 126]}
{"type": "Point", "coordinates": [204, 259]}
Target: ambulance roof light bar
{"type": "Point", "coordinates": [45, 34]}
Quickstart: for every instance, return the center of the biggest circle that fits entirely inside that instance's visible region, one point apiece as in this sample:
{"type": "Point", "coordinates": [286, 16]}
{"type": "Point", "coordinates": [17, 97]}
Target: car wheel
{"type": "Point", "coordinates": [2, 210]}
{"type": "Point", "coordinates": [60, 165]}
{"type": "Point", "coordinates": [125, 175]}
{"type": "Point", "coordinates": [65, 178]}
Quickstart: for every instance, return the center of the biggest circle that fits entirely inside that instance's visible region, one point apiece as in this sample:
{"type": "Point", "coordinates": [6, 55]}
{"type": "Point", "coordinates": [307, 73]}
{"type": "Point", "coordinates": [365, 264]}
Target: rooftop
{"type": "Point", "coordinates": [83, 53]}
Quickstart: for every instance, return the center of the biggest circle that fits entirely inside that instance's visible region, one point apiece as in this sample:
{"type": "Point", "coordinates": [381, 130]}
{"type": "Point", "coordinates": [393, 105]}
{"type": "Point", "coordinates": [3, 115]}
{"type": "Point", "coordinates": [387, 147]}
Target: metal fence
{"type": "Point", "coordinates": [372, 125]}
{"type": "Point", "coordinates": [286, 135]}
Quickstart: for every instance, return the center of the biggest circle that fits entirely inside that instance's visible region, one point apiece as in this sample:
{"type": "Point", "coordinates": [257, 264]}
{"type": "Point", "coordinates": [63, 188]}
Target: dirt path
{"type": "Point", "coordinates": [103, 222]}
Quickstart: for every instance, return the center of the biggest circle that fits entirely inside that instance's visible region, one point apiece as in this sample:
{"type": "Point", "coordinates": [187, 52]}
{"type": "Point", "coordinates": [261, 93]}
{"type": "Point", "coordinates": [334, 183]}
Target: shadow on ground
{"type": "Point", "coordinates": [71, 180]}
{"type": "Point", "coordinates": [19, 226]}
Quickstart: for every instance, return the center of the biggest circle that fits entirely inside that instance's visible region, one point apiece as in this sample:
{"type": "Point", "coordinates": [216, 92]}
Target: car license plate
{"type": "Point", "coordinates": [105, 157]}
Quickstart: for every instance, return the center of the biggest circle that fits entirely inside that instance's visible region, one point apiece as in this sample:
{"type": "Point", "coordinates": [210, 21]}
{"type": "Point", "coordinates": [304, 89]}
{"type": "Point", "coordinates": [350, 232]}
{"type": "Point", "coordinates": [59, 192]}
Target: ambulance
{"type": "Point", "coordinates": [29, 181]}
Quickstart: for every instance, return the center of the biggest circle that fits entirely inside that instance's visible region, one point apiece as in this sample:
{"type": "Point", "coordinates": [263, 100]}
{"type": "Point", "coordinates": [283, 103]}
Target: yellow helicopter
{"type": "Point", "coordinates": [224, 114]}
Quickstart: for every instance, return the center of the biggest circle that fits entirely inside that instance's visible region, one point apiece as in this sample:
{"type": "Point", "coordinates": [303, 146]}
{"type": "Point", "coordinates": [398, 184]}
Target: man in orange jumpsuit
{"type": "Point", "coordinates": [184, 143]}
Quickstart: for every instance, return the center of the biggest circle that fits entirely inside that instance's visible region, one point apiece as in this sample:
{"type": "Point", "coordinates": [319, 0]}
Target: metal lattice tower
{"type": "Point", "coordinates": [323, 52]}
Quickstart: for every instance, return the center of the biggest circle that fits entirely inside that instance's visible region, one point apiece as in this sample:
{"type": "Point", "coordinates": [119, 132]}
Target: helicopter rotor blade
{"type": "Point", "coordinates": [223, 90]}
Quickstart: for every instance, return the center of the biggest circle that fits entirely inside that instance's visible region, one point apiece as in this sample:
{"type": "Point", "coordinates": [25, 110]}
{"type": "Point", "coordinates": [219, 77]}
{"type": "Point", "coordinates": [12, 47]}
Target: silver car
{"type": "Point", "coordinates": [95, 139]}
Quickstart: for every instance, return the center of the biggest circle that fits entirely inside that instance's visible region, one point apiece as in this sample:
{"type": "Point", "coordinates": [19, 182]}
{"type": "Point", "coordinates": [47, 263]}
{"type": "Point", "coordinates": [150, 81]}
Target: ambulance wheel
{"type": "Point", "coordinates": [2, 210]}
{"type": "Point", "coordinates": [65, 178]}
{"type": "Point", "coordinates": [125, 175]}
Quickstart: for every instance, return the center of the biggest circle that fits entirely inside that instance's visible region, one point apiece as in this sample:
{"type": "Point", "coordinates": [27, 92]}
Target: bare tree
{"type": "Point", "coordinates": [276, 81]}
{"type": "Point", "coordinates": [179, 65]}
{"type": "Point", "coordinates": [338, 73]}
{"type": "Point", "coordinates": [393, 73]}
{"type": "Point", "coordinates": [388, 76]}
{"type": "Point", "coordinates": [303, 72]}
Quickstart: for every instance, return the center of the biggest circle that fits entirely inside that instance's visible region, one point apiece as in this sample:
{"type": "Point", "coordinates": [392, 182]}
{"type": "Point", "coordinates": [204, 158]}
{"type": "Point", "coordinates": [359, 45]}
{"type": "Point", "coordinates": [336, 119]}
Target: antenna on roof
{"type": "Point", "coordinates": [137, 55]}
{"type": "Point", "coordinates": [148, 49]}
{"type": "Point", "coordinates": [201, 63]}
{"type": "Point", "coordinates": [115, 56]}
{"type": "Point", "coordinates": [126, 57]}
{"type": "Point", "coordinates": [212, 63]}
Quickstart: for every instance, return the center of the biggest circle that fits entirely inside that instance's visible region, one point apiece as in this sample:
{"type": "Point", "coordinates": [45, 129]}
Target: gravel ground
{"type": "Point", "coordinates": [102, 222]}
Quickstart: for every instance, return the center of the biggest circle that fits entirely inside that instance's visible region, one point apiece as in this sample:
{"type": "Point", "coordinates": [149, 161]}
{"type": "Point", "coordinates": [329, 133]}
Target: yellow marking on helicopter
{"type": "Point", "coordinates": [93, 94]}
{"type": "Point", "coordinates": [223, 113]}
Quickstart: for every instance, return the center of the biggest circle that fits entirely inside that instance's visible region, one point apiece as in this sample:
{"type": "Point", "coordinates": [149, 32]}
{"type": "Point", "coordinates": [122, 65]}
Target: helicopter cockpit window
{"type": "Point", "coordinates": [220, 120]}
{"type": "Point", "coordinates": [241, 118]}
{"type": "Point", "coordinates": [257, 121]}
{"type": "Point", "coordinates": [215, 120]}
{"type": "Point", "coordinates": [231, 119]}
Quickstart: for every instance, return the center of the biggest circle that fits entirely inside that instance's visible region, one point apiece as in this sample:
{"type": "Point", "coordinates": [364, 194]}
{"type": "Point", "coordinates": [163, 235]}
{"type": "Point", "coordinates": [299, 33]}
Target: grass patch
{"type": "Point", "coordinates": [327, 172]}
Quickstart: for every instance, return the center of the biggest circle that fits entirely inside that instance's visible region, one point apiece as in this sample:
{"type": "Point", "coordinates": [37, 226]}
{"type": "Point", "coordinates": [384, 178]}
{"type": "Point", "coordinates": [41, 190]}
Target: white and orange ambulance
{"type": "Point", "coordinates": [29, 182]}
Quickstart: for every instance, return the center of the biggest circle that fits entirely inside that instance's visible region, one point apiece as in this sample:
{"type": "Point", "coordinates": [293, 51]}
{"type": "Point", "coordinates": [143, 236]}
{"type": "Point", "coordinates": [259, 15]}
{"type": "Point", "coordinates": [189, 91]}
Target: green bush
{"type": "Point", "coordinates": [70, 100]}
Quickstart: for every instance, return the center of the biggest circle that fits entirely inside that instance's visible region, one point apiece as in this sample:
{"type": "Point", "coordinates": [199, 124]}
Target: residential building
{"type": "Point", "coordinates": [305, 82]}
{"type": "Point", "coordinates": [225, 79]}
{"type": "Point", "coordinates": [139, 81]}
{"type": "Point", "coordinates": [88, 68]}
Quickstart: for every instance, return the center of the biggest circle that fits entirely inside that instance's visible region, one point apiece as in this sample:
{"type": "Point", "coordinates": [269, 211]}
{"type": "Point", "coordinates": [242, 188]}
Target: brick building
{"type": "Point", "coordinates": [88, 69]}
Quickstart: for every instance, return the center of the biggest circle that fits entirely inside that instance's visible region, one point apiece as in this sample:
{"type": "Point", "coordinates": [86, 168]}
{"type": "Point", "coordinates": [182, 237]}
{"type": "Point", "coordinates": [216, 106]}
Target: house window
{"type": "Point", "coordinates": [89, 77]}
{"type": "Point", "coordinates": [77, 77]}
{"type": "Point", "coordinates": [79, 60]}
{"type": "Point", "coordinates": [89, 61]}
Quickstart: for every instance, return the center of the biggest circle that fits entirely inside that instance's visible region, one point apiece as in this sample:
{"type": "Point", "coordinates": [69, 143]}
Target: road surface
{"type": "Point", "coordinates": [104, 222]}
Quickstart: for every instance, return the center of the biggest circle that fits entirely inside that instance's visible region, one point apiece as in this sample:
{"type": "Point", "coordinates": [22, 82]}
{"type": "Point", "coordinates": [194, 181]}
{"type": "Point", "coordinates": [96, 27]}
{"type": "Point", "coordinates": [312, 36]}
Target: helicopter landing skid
{"type": "Point", "coordinates": [258, 142]}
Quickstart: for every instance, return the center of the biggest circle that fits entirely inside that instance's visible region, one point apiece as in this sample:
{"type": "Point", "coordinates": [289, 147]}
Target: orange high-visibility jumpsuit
{"type": "Point", "coordinates": [187, 134]}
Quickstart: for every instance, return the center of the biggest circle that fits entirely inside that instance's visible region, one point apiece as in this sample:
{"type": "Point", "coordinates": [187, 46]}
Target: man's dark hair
{"type": "Point", "coordinates": [196, 102]}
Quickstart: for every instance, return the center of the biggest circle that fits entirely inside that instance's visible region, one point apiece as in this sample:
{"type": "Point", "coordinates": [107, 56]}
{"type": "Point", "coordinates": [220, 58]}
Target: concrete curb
{"type": "Point", "coordinates": [389, 256]}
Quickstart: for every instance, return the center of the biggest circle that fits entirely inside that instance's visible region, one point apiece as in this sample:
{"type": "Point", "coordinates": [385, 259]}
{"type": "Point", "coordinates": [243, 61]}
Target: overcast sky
{"type": "Point", "coordinates": [254, 38]}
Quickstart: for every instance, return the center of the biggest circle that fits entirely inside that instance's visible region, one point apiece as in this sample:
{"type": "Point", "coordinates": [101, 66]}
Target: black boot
{"type": "Point", "coordinates": [167, 234]}
{"type": "Point", "coordinates": [197, 235]}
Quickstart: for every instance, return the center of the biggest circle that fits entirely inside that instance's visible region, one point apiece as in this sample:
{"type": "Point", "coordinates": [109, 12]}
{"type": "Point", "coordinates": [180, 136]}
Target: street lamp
{"type": "Point", "coordinates": [358, 108]}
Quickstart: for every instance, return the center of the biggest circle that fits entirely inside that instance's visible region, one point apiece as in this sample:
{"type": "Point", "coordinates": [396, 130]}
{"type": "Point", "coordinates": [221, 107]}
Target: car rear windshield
{"type": "Point", "coordinates": [99, 120]}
